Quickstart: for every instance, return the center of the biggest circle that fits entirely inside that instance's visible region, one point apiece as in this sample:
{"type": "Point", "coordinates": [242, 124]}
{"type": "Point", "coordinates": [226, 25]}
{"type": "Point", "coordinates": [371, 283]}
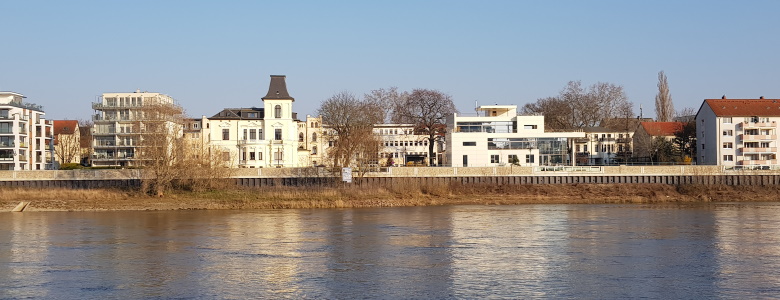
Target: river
{"type": "Point", "coordinates": [463, 252]}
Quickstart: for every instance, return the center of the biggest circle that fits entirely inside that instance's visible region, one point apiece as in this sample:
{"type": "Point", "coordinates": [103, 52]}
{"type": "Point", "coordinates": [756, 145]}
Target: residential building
{"type": "Point", "coordinates": [312, 141]}
{"type": "Point", "coordinates": [259, 137]}
{"type": "Point", "coordinates": [25, 135]}
{"type": "Point", "coordinates": [647, 132]}
{"type": "Point", "coordinates": [738, 132]}
{"type": "Point", "coordinates": [500, 138]}
{"type": "Point", "coordinates": [120, 122]}
{"type": "Point", "coordinates": [67, 147]}
{"type": "Point", "coordinates": [400, 145]}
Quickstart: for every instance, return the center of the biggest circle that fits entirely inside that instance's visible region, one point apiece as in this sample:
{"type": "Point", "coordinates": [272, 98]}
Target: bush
{"type": "Point", "coordinates": [71, 166]}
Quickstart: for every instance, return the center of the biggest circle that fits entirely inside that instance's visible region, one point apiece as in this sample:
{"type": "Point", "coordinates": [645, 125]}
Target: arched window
{"type": "Point", "coordinates": [278, 111]}
{"type": "Point", "coordinates": [316, 125]}
{"type": "Point", "coordinates": [300, 137]}
{"type": "Point", "coordinates": [314, 150]}
{"type": "Point", "coordinates": [314, 137]}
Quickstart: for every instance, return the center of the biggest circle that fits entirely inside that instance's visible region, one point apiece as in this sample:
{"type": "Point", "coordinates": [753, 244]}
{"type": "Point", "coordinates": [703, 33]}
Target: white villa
{"type": "Point", "coordinates": [500, 138]}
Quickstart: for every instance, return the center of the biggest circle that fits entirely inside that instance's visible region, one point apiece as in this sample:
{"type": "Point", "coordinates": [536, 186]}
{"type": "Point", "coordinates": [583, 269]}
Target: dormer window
{"type": "Point", "coordinates": [278, 111]}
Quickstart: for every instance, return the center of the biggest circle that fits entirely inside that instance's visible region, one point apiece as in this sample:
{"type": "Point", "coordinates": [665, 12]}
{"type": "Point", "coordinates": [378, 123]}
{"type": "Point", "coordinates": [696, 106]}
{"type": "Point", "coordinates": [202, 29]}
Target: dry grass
{"type": "Point", "coordinates": [402, 193]}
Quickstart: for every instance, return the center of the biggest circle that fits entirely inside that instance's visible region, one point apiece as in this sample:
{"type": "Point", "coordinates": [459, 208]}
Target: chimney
{"type": "Point", "coordinates": [762, 97]}
{"type": "Point", "coordinates": [724, 97]}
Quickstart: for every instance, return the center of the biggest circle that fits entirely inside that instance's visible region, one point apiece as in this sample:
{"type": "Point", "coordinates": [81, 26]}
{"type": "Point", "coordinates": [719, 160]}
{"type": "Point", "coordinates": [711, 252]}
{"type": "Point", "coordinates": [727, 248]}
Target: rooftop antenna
{"type": "Point", "coordinates": [640, 111]}
{"type": "Point", "coordinates": [476, 107]}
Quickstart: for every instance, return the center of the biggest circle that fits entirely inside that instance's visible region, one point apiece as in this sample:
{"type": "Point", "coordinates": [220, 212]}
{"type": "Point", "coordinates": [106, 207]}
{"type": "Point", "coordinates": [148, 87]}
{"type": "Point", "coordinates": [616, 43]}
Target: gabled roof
{"type": "Point", "coordinates": [744, 107]}
{"type": "Point", "coordinates": [623, 124]}
{"type": "Point", "coordinates": [65, 126]}
{"type": "Point", "coordinates": [277, 90]}
{"type": "Point", "coordinates": [662, 128]}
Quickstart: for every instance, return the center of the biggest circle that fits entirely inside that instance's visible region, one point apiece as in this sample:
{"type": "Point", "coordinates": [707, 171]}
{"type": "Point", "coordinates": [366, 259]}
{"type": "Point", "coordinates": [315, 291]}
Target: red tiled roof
{"type": "Point", "coordinates": [662, 128]}
{"type": "Point", "coordinates": [65, 126]}
{"type": "Point", "coordinates": [744, 107]}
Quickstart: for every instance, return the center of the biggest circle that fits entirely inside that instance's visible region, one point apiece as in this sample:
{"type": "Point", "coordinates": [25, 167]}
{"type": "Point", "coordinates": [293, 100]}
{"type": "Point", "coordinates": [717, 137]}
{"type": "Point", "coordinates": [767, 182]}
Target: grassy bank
{"type": "Point", "coordinates": [405, 194]}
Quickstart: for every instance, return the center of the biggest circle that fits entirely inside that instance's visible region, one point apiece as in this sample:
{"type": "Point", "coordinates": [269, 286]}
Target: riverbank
{"type": "Point", "coordinates": [402, 195]}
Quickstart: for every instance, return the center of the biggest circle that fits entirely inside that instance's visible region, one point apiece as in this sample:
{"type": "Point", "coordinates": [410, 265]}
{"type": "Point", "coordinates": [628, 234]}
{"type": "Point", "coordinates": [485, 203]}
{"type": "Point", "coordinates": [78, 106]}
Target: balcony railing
{"type": "Point", "coordinates": [606, 139]}
{"type": "Point", "coordinates": [6, 131]}
{"type": "Point", "coordinates": [581, 140]}
{"type": "Point", "coordinates": [7, 145]}
{"type": "Point", "coordinates": [22, 157]}
{"type": "Point", "coordinates": [758, 137]}
{"type": "Point", "coordinates": [624, 140]}
{"type": "Point", "coordinates": [277, 142]}
{"type": "Point", "coordinates": [759, 149]}
{"type": "Point", "coordinates": [248, 141]}
{"type": "Point", "coordinates": [759, 124]}
{"type": "Point", "coordinates": [757, 162]}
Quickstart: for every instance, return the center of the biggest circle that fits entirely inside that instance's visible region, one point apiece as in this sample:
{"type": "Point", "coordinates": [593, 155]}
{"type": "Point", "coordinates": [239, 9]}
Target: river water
{"type": "Point", "coordinates": [464, 252]}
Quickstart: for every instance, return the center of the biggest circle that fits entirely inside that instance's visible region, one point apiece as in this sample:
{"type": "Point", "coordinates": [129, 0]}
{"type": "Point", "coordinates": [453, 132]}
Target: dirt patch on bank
{"type": "Point", "coordinates": [404, 195]}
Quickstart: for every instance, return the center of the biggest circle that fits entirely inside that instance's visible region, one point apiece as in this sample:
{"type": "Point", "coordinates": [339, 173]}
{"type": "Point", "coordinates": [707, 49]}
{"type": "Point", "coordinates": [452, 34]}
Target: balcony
{"type": "Point", "coordinates": [757, 162]}
{"type": "Point", "coordinates": [250, 142]}
{"type": "Point", "coordinates": [759, 137]}
{"type": "Point", "coordinates": [6, 131]}
{"type": "Point", "coordinates": [758, 150]}
{"type": "Point", "coordinates": [581, 140]}
{"type": "Point", "coordinates": [22, 157]}
{"type": "Point", "coordinates": [624, 140]}
{"type": "Point", "coordinates": [277, 142]}
{"type": "Point", "coordinates": [7, 145]}
{"type": "Point", "coordinates": [583, 154]}
{"type": "Point", "coordinates": [772, 124]}
{"type": "Point", "coordinates": [606, 139]}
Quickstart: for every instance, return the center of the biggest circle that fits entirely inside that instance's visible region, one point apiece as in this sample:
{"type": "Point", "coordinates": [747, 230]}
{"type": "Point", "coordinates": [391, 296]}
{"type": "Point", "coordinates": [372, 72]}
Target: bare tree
{"type": "Point", "coordinates": [577, 107]}
{"type": "Point", "coordinates": [348, 126]}
{"type": "Point", "coordinates": [427, 110]}
{"type": "Point", "coordinates": [389, 100]}
{"type": "Point", "coordinates": [664, 108]}
{"type": "Point", "coordinates": [68, 148]}
{"type": "Point", "coordinates": [85, 139]}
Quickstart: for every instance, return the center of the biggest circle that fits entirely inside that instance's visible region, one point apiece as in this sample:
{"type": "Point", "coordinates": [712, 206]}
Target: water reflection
{"type": "Point", "coordinates": [531, 251]}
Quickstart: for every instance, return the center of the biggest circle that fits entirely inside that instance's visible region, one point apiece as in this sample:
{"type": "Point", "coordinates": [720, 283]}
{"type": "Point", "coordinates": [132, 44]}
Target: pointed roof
{"type": "Point", "coordinates": [744, 107]}
{"type": "Point", "coordinates": [277, 90]}
{"type": "Point", "coordinates": [65, 126]}
{"type": "Point", "coordinates": [662, 128]}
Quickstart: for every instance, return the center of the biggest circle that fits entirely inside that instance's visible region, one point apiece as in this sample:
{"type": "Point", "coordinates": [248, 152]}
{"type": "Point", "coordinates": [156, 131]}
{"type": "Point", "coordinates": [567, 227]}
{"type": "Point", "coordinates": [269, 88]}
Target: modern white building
{"type": "Point", "coordinates": [259, 137]}
{"type": "Point", "coordinates": [738, 132]}
{"type": "Point", "coordinates": [499, 137]}
{"type": "Point", "coordinates": [25, 135]}
{"type": "Point", "coordinates": [119, 124]}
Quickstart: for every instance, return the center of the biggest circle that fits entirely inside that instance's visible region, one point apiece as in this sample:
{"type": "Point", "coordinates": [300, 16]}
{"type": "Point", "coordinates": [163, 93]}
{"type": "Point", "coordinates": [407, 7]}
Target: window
{"type": "Point", "coordinates": [512, 159]}
{"type": "Point", "coordinates": [529, 158]}
{"type": "Point", "coordinates": [494, 158]}
{"type": "Point", "coordinates": [226, 156]}
{"type": "Point", "coordinates": [300, 137]}
{"type": "Point", "coordinates": [728, 145]}
{"type": "Point", "coordinates": [278, 155]}
{"type": "Point", "coordinates": [728, 132]}
{"type": "Point", "coordinates": [725, 120]}
{"type": "Point", "coordinates": [253, 115]}
{"type": "Point", "coordinates": [252, 134]}
{"type": "Point", "coordinates": [260, 134]}
{"type": "Point", "coordinates": [728, 158]}
{"type": "Point", "coordinates": [764, 144]}
{"type": "Point", "coordinates": [314, 137]}
{"type": "Point", "coordinates": [278, 134]}
{"type": "Point", "coordinates": [465, 160]}
{"type": "Point", "coordinates": [469, 143]}
{"type": "Point", "coordinates": [225, 134]}
{"type": "Point", "coordinates": [244, 136]}
{"type": "Point", "coordinates": [314, 150]}
{"type": "Point", "coordinates": [764, 120]}
{"type": "Point", "coordinates": [529, 126]}
{"type": "Point", "coordinates": [278, 111]}
{"type": "Point", "coordinates": [259, 155]}
{"type": "Point", "coordinates": [195, 125]}
{"type": "Point", "coordinates": [252, 155]}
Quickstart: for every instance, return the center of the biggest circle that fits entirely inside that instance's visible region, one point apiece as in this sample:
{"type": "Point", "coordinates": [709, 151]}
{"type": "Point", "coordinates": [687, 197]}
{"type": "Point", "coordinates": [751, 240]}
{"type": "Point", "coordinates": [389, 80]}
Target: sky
{"type": "Point", "coordinates": [210, 55]}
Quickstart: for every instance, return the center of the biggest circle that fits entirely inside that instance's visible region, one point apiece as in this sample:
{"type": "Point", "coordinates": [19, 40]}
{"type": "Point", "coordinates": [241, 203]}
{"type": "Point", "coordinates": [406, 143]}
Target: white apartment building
{"type": "Point", "coordinates": [119, 125]}
{"type": "Point", "coordinates": [401, 146]}
{"type": "Point", "coordinates": [500, 137]}
{"type": "Point", "coordinates": [259, 137]}
{"type": "Point", "coordinates": [25, 135]}
{"type": "Point", "coordinates": [738, 132]}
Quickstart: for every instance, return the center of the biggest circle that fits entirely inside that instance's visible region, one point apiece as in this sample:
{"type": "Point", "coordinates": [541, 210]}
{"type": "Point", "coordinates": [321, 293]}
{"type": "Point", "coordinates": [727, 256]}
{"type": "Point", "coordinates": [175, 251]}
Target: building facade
{"type": "Point", "coordinates": [67, 137]}
{"type": "Point", "coordinates": [738, 132]}
{"type": "Point", "coordinates": [25, 135]}
{"type": "Point", "coordinates": [501, 138]}
{"type": "Point", "coordinates": [647, 132]}
{"type": "Point", "coordinates": [259, 137]}
{"type": "Point", "coordinates": [401, 146]}
{"type": "Point", "coordinates": [120, 121]}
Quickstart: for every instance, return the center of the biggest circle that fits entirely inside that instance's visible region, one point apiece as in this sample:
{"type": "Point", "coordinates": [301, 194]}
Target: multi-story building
{"type": "Point", "coordinates": [120, 122]}
{"type": "Point", "coordinates": [738, 132]}
{"type": "Point", "coordinates": [501, 137]}
{"type": "Point", "coordinates": [259, 137]}
{"type": "Point", "coordinates": [25, 135]}
{"type": "Point", "coordinates": [311, 139]}
{"type": "Point", "coordinates": [400, 145]}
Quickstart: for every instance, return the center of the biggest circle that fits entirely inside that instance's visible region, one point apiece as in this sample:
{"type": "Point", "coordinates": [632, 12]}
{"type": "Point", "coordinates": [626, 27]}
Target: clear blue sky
{"type": "Point", "coordinates": [209, 55]}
